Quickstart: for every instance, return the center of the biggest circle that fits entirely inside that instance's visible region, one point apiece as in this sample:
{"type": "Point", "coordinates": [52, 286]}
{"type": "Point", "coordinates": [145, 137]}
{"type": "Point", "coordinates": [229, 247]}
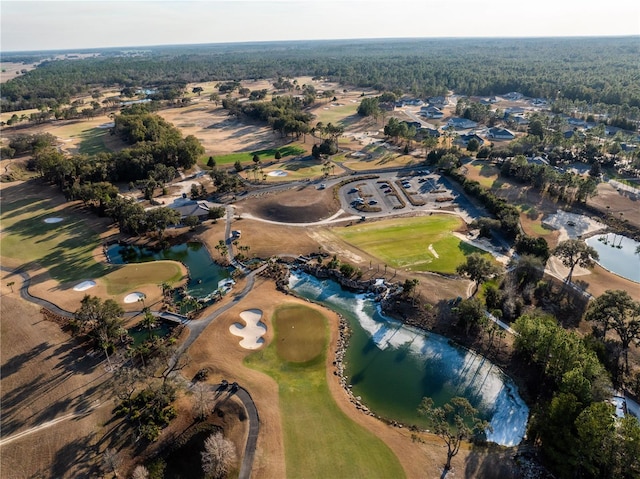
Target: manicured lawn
{"type": "Point", "coordinates": [247, 156]}
{"type": "Point", "coordinates": [92, 141]}
{"type": "Point", "coordinates": [320, 440]}
{"type": "Point", "coordinates": [297, 169]}
{"type": "Point", "coordinates": [405, 242]}
{"type": "Point", "coordinates": [336, 114]}
{"type": "Point", "coordinates": [66, 248]}
{"type": "Point", "coordinates": [128, 277]}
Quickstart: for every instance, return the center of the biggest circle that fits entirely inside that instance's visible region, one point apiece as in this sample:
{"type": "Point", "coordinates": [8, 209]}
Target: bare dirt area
{"type": "Point", "coordinates": [53, 393]}
{"type": "Point", "coordinates": [11, 70]}
{"type": "Point", "coordinates": [301, 204]}
{"type": "Point", "coordinates": [614, 202]}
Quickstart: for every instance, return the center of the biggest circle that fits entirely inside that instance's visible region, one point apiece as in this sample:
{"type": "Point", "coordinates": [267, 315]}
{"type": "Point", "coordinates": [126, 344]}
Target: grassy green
{"type": "Point", "coordinates": [320, 440]}
{"type": "Point", "coordinates": [66, 248]}
{"type": "Point", "coordinates": [404, 242]}
{"type": "Point", "coordinates": [338, 115]}
{"type": "Point", "coordinates": [92, 141]}
{"type": "Point", "coordinates": [300, 341]}
{"type": "Point", "coordinates": [247, 156]}
{"type": "Point", "coordinates": [128, 277]}
{"type": "Point", "coordinates": [308, 168]}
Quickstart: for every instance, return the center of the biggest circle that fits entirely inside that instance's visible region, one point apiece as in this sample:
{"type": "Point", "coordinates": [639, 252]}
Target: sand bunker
{"type": "Point", "coordinates": [85, 285]}
{"type": "Point", "coordinates": [277, 173]}
{"type": "Point", "coordinates": [252, 333]}
{"type": "Point", "coordinates": [133, 297]}
{"type": "Point", "coordinates": [53, 220]}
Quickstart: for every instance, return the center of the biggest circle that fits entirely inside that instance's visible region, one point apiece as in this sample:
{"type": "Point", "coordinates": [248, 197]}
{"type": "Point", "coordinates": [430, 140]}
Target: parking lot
{"type": "Point", "coordinates": [393, 193]}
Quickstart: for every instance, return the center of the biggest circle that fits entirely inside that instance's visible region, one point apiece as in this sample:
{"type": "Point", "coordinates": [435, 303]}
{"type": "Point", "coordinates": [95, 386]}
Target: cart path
{"type": "Point", "coordinates": [195, 329]}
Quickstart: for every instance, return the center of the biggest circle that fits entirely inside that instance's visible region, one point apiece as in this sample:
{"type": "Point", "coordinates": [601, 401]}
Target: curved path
{"type": "Point", "coordinates": [195, 329]}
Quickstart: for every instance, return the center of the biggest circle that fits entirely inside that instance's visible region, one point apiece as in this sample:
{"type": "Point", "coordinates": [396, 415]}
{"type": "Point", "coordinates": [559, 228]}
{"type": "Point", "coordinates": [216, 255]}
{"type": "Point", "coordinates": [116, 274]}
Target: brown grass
{"type": "Point", "coordinates": [46, 375]}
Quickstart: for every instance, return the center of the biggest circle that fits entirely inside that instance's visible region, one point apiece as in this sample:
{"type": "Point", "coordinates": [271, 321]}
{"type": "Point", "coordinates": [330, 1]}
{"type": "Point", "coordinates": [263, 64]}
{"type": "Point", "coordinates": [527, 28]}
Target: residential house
{"type": "Point", "coordinates": [194, 208]}
{"type": "Point", "coordinates": [461, 124]}
{"type": "Point", "coordinates": [438, 101]}
{"type": "Point", "coordinates": [513, 110]}
{"type": "Point", "coordinates": [513, 96]}
{"type": "Point", "coordinates": [431, 132]}
{"type": "Point", "coordinates": [463, 140]}
{"type": "Point", "coordinates": [500, 134]}
{"type": "Point", "coordinates": [431, 112]}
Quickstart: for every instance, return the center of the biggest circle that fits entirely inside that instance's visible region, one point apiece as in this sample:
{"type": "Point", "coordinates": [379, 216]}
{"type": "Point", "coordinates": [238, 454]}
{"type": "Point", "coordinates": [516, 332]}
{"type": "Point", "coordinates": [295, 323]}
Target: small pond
{"type": "Point", "coordinates": [617, 254]}
{"type": "Point", "coordinates": [392, 366]}
{"type": "Point", "coordinates": [204, 273]}
{"type": "Point", "coordinates": [140, 334]}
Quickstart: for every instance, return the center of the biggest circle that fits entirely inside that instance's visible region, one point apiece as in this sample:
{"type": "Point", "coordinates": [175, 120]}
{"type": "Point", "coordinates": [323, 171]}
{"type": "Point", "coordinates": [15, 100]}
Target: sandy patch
{"type": "Point", "coordinates": [432, 250]}
{"type": "Point", "coordinates": [85, 285]}
{"type": "Point", "coordinates": [53, 220]}
{"type": "Point", "coordinates": [572, 225]}
{"type": "Point", "coordinates": [252, 332]}
{"type": "Point", "coordinates": [277, 173]}
{"type": "Point", "coordinates": [133, 297]}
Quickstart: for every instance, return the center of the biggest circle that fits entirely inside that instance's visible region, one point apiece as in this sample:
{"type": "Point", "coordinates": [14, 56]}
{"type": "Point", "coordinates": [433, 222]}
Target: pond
{"type": "Point", "coordinates": [140, 334]}
{"type": "Point", "coordinates": [392, 366]}
{"type": "Point", "coordinates": [617, 254]}
{"type": "Point", "coordinates": [205, 275]}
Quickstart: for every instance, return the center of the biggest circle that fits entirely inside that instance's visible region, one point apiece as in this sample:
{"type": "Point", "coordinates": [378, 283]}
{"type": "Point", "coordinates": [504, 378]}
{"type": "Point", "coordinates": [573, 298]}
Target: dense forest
{"type": "Point", "coordinates": [593, 70]}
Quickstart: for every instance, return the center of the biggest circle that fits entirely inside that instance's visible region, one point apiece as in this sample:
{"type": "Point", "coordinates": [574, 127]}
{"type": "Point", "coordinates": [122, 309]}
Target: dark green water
{"type": "Point", "coordinates": [141, 334]}
{"type": "Point", "coordinates": [392, 367]}
{"type": "Point", "coordinates": [205, 274]}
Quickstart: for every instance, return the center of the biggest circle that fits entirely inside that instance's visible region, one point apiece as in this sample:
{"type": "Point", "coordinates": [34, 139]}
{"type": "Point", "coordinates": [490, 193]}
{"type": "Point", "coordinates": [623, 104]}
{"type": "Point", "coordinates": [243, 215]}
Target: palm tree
{"type": "Point", "coordinates": [149, 321]}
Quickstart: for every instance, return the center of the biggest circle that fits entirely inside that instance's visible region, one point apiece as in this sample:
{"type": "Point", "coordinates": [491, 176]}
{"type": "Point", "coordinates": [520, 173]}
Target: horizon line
{"type": "Point", "coordinates": [318, 40]}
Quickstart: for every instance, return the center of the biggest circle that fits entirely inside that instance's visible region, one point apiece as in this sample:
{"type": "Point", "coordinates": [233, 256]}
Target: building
{"type": "Point", "coordinates": [431, 112]}
{"type": "Point", "coordinates": [463, 140]}
{"type": "Point", "coordinates": [500, 134]}
{"type": "Point", "coordinates": [199, 209]}
{"type": "Point", "coordinates": [461, 123]}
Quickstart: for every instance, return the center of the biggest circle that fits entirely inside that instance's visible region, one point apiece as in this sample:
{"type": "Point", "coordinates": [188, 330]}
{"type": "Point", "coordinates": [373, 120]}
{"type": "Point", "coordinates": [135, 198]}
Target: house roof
{"type": "Point", "coordinates": [194, 208]}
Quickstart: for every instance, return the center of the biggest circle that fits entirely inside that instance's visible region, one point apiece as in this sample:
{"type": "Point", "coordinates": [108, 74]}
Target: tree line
{"type": "Point", "coordinates": [596, 70]}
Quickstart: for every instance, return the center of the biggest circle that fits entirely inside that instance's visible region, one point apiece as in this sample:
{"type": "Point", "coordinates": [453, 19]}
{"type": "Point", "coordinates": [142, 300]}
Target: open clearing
{"type": "Point", "coordinates": [46, 376]}
{"type": "Point", "coordinates": [408, 242]}
{"type": "Point", "coordinates": [339, 445]}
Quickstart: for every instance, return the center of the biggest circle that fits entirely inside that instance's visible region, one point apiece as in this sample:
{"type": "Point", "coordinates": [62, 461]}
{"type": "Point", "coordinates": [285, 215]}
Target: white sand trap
{"type": "Point", "coordinates": [133, 297]}
{"type": "Point", "coordinates": [277, 173]}
{"type": "Point", "coordinates": [252, 333]}
{"type": "Point", "coordinates": [53, 220]}
{"type": "Point", "coordinates": [111, 124]}
{"type": "Point", "coordinates": [85, 285]}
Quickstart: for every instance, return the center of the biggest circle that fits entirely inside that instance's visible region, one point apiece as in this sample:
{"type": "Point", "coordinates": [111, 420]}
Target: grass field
{"type": "Point", "coordinates": [320, 440]}
{"type": "Point", "coordinates": [128, 277]}
{"type": "Point", "coordinates": [338, 115]}
{"type": "Point", "coordinates": [66, 248]}
{"type": "Point", "coordinates": [92, 141]}
{"type": "Point", "coordinates": [247, 156]}
{"type": "Point", "coordinates": [297, 169]}
{"type": "Point", "coordinates": [417, 244]}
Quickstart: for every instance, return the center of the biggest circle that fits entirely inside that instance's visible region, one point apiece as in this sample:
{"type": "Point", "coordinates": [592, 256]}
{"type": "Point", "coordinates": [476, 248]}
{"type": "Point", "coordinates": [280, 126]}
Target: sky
{"type": "Point", "coordinates": [54, 25]}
